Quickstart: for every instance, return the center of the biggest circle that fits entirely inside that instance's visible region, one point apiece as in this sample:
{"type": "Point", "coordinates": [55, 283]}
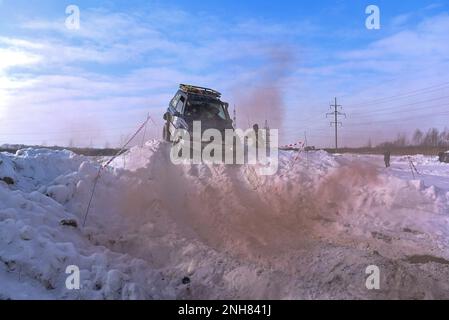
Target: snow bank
{"type": "Point", "coordinates": [32, 168]}
{"type": "Point", "coordinates": [307, 232]}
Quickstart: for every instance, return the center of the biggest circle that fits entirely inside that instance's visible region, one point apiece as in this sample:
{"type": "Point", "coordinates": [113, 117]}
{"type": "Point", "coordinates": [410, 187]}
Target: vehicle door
{"type": "Point", "coordinates": [180, 122]}
{"type": "Point", "coordinates": [176, 112]}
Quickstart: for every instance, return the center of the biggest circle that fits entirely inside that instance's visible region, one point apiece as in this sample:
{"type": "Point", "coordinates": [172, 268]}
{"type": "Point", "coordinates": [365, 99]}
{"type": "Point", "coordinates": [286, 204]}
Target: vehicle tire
{"type": "Point", "coordinates": [166, 133]}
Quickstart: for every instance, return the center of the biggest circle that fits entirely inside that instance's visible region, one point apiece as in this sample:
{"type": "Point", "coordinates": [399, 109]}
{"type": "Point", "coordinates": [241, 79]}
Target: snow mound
{"type": "Point", "coordinates": [309, 231]}
{"type": "Point", "coordinates": [31, 168]}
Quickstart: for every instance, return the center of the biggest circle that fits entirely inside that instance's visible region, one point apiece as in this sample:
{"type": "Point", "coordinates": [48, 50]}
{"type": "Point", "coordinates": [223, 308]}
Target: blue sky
{"type": "Point", "coordinates": [278, 60]}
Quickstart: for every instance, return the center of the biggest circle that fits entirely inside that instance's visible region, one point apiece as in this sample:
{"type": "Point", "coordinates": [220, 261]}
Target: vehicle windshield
{"type": "Point", "coordinates": [205, 108]}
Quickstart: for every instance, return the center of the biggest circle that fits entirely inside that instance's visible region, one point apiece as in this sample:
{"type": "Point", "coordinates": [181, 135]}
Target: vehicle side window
{"type": "Point", "coordinates": [180, 104]}
{"type": "Point", "coordinates": [222, 112]}
{"type": "Point", "coordinates": [175, 100]}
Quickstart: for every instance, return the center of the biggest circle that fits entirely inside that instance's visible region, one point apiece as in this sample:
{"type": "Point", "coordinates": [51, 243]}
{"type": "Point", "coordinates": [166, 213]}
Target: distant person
{"type": "Point", "coordinates": [256, 130]}
{"type": "Point", "coordinates": [441, 156]}
{"type": "Point", "coordinates": [387, 156]}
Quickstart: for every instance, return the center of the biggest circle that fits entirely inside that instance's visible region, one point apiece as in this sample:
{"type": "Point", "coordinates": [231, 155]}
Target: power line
{"type": "Point", "coordinates": [391, 81]}
{"type": "Point", "coordinates": [427, 110]}
{"type": "Point", "coordinates": [406, 94]}
{"type": "Point", "coordinates": [398, 120]}
{"type": "Point", "coordinates": [388, 110]}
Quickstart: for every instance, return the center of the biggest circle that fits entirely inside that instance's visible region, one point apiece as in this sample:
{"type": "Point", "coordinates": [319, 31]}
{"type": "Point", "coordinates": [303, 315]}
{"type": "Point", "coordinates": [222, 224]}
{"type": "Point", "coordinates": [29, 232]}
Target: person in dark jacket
{"type": "Point", "coordinates": [387, 156]}
{"type": "Point", "coordinates": [441, 156]}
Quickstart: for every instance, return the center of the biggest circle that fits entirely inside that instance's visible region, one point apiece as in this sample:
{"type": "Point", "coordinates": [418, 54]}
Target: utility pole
{"type": "Point", "coordinates": [336, 123]}
{"type": "Point", "coordinates": [234, 119]}
{"type": "Point", "coordinates": [267, 133]}
{"type": "Point", "coordinates": [305, 139]}
{"type": "Point", "coordinates": [306, 144]}
{"type": "Point", "coordinates": [267, 138]}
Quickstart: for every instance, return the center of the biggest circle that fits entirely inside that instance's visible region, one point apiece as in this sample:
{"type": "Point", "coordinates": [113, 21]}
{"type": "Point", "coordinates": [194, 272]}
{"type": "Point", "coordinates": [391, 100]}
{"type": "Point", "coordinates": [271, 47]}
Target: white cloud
{"type": "Point", "coordinates": [10, 57]}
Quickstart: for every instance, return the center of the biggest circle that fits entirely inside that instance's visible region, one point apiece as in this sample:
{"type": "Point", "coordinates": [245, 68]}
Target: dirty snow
{"type": "Point", "coordinates": [308, 232]}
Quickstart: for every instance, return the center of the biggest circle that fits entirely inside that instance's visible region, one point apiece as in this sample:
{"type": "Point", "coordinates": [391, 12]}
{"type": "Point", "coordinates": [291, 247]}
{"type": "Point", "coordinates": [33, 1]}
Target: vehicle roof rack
{"type": "Point", "coordinates": [199, 90]}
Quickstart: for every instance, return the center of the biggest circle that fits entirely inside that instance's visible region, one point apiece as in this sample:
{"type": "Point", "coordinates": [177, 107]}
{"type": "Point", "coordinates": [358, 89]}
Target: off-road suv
{"type": "Point", "coordinates": [192, 103]}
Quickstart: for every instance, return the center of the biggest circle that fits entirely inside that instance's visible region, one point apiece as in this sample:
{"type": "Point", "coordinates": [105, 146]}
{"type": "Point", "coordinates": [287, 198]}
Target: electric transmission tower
{"type": "Point", "coordinates": [336, 123]}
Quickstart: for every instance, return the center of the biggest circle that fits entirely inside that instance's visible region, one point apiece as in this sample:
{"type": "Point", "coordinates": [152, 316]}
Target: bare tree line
{"type": "Point", "coordinates": [431, 138]}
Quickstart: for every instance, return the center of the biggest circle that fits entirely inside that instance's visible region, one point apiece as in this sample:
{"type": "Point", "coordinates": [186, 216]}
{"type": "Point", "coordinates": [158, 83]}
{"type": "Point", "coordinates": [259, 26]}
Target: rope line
{"type": "Point", "coordinates": [97, 177]}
